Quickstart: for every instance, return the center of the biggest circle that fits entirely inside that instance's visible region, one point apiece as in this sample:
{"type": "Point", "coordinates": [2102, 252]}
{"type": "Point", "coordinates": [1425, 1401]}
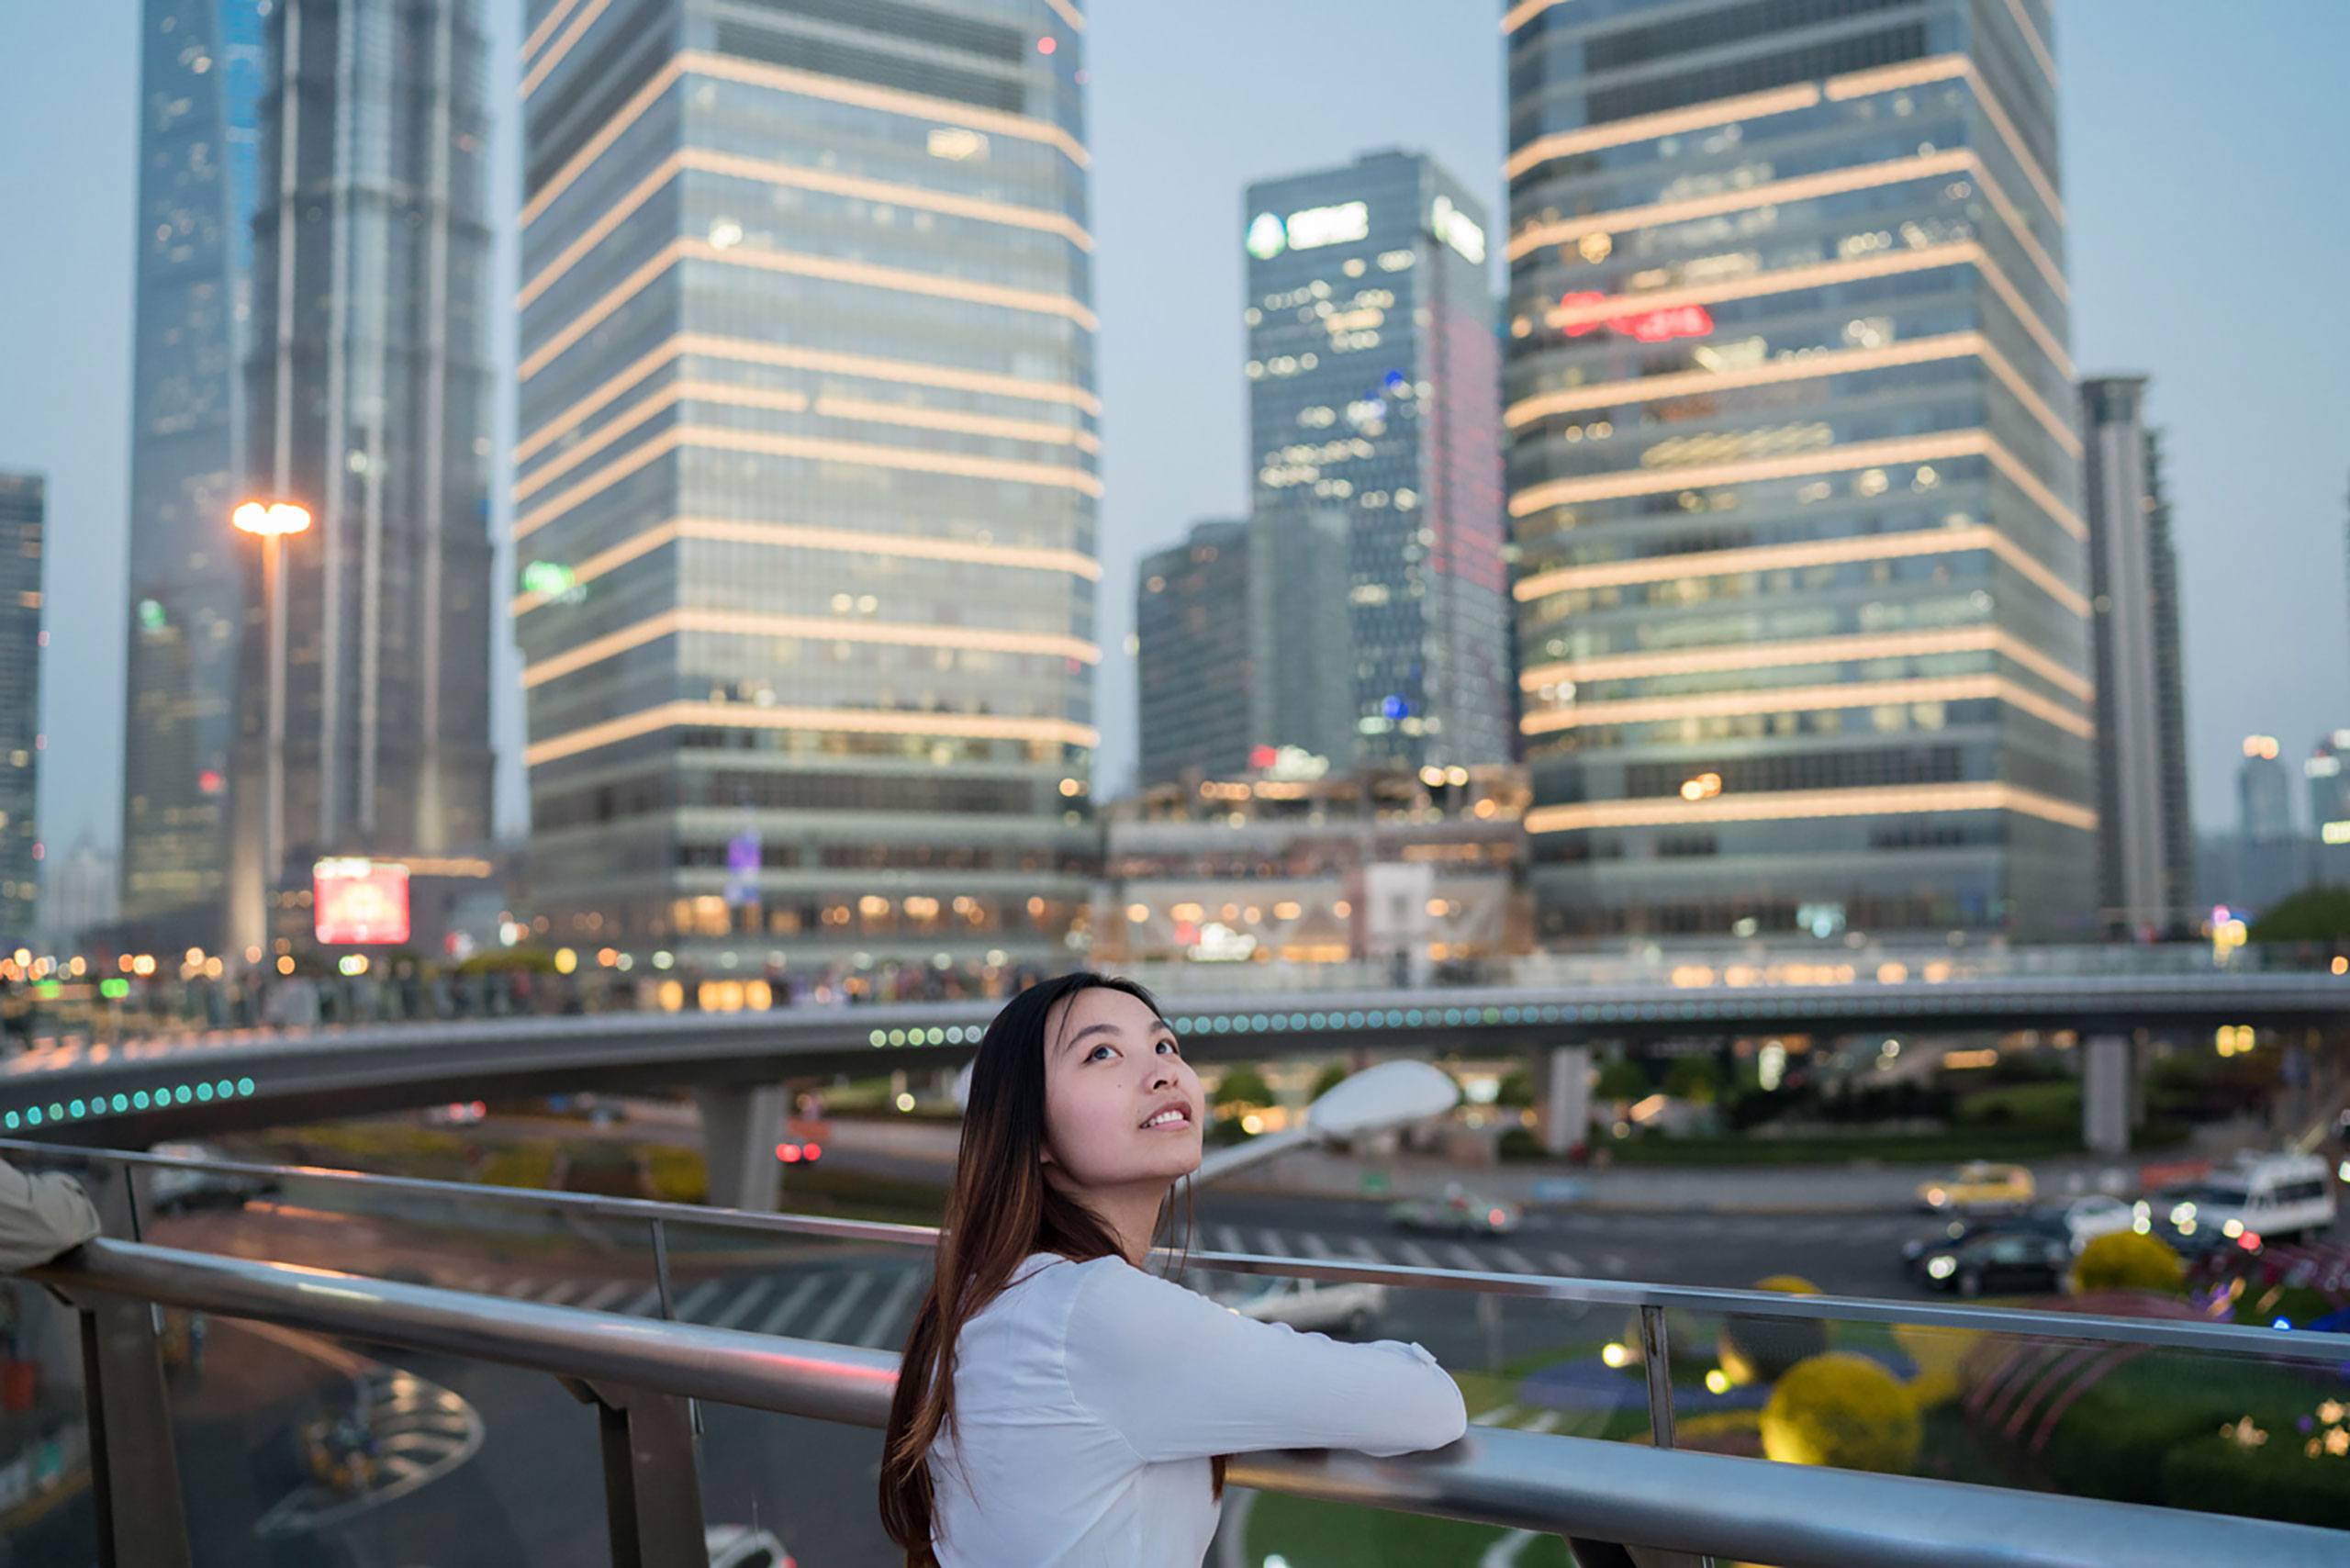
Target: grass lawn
{"type": "Point", "coordinates": [1337, 1535]}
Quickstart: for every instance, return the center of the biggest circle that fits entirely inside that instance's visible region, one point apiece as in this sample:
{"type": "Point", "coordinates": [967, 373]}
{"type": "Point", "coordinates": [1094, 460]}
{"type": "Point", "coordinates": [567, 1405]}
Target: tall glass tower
{"type": "Point", "coordinates": [199, 162]}
{"type": "Point", "coordinates": [807, 483]}
{"type": "Point", "coordinates": [369, 391]}
{"type": "Point", "coordinates": [1793, 470]}
{"type": "Point", "coordinates": [23, 520]}
{"type": "Point", "coordinates": [1371, 372]}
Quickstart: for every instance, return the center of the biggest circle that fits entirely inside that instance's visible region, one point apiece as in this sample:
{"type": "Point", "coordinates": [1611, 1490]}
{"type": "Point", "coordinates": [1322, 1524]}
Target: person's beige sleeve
{"type": "Point", "coordinates": [39, 1217]}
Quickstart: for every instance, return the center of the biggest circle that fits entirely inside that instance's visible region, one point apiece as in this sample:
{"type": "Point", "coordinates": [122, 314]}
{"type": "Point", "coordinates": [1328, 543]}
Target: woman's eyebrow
{"type": "Point", "coordinates": [1111, 1029]}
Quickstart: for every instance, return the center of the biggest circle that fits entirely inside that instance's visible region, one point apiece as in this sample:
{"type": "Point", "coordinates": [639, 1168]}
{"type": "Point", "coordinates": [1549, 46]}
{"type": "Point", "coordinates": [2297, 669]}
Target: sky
{"type": "Point", "coordinates": [2208, 233]}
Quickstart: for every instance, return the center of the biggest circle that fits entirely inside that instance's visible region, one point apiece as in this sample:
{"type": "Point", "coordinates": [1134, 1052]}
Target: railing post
{"type": "Point", "coordinates": [134, 1474]}
{"type": "Point", "coordinates": [652, 1490]}
{"type": "Point", "coordinates": [1656, 1358]}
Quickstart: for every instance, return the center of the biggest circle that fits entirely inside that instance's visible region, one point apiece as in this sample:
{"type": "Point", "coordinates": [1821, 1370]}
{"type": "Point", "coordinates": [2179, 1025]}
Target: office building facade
{"type": "Point", "coordinates": [2146, 839]}
{"type": "Point", "coordinates": [369, 394]}
{"type": "Point", "coordinates": [201, 67]}
{"type": "Point", "coordinates": [1372, 369]}
{"type": "Point", "coordinates": [2264, 793]}
{"type": "Point", "coordinates": [807, 492]}
{"type": "Point", "coordinates": [1243, 649]}
{"type": "Point", "coordinates": [23, 522]}
{"type": "Point", "coordinates": [1792, 472]}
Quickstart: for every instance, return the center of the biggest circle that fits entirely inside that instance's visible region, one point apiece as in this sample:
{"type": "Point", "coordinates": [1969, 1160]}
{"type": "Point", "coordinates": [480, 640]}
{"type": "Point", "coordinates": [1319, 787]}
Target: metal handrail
{"type": "Point", "coordinates": [1795, 1515]}
{"type": "Point", "coordinates": [2216, 1338]}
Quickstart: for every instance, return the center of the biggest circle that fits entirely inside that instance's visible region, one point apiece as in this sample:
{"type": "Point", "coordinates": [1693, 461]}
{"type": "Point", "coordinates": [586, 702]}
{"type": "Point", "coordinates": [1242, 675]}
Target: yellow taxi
{"type": "Point", "coordinates": [1977, 1188]}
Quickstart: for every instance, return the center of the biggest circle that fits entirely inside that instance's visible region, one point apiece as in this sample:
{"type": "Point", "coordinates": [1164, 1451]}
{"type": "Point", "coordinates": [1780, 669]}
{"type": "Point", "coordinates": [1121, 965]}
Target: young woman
{"type": "Point", "coordinates": [1060, 1405]}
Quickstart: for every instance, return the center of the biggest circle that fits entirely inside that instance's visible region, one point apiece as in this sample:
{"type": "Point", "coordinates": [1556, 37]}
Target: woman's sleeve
{"type": "Point", "coordinates": [1180, 1377]}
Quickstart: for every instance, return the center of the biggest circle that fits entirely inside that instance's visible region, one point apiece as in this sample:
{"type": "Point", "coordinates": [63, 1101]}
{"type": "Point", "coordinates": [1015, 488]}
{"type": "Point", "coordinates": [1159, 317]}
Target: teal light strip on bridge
{"type": "Point", "coordinates": [90, 1108]}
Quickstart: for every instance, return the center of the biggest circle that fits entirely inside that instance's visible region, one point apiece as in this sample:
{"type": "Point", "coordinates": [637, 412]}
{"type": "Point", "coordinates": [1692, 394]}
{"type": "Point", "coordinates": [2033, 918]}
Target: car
{"type": "Point", "coordinates": [739, 1546]}
{"type": "Point", "coordinates": [1998, 1260]}
{"type": "Point", "coordinates": [793, 1150]}
{"type": "Point", "coordinates": [174, 1189]}
{"type": "Point", "coordinates": [1948, 1236]}
{"type": "Point", "coordinates": [1458, 1213]}
{"type": "Point", "coordinates": [2099, 1213]}
{"type": "Point", "coordinates": [2274, 1196]}
{"type": "Point", "coordinates": [1321, 1305]}
{"type": "Point", "coordinates": [1979, 1187]}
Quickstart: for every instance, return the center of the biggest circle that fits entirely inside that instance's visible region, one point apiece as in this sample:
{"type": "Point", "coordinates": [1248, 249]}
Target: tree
{"type": "Point", "coordinates": [1516, 1090]}
{"type": "Point", "coordinates": [2313, 914]}
{"type": "Point", "coordinates": [1329, 1078]}
{"type": "Point", "coordinates": [1242, 1086]}
{"type": "Point", "coordinates": [1623, 1079]}
{"type": "Point", "coordinates": [1695, 1080]}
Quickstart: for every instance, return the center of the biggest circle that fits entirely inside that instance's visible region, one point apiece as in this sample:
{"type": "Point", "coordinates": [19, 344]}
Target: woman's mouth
{"type": "Point", "coordinates": [1173, 1116]}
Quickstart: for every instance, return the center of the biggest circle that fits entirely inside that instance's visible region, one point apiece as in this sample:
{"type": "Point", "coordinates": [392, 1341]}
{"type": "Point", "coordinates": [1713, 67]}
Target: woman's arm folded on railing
{"type": "Point", "coordinates": [1180, 1377]}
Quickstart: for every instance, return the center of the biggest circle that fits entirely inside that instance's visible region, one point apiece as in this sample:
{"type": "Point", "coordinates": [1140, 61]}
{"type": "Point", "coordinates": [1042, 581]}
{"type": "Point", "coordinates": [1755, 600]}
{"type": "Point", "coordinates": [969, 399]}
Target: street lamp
{"type": "Point", "coordinates": [273, 521]}
{"type": "Point", "coordinates": [1392, 1094]}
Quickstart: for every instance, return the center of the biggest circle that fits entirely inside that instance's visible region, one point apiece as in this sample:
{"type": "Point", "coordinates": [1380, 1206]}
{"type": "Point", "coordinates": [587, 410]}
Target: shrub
{"type": "Point", "coordinates": [1761, 1349]}
{"type": "Point", "coordinates": [2275, 1479]}
{"type": "Point", "coordinates": [1516, 1090]}
{"type": "Point", "coordinates": [1622, 1078]}
{"type": "Point", "coordinates": [2126, 1261]}
{"type": "Point", "coordinates": [1688, 1342]}
{"type": "Point", "coordinates": [1242, 1086]}
{"type": "Point", "coordinates": [1695, 1080]}
{"type": "Point", "coordinates": [1844, 1411]}
{"type": "Point", "coordinates": [678, 1175]}
{"type": "Point", "coordinates": [1329, 1078]}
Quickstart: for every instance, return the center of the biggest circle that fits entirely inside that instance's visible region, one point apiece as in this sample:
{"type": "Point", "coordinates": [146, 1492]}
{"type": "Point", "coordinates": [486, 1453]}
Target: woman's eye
{"type": "Point", "coordinates": [1096, 1052]}
{"type": "Point", "coordinates": [1171, 1046]}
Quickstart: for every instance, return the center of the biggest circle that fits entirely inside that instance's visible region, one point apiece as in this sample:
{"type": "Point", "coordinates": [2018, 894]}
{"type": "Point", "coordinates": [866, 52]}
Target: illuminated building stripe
{"type": "Point", "coordinates": [746, 350]}
{"type": "Point", "coordinates": [562, 46]}
{"type": "Point", "coordinates": [1790, 655]}
{"type": "Point", "coordinates": [832, 721]}
{"type": "Point", "coordinates": [729, 394]}
{"type": "Point", "coordinates": [817, 449]}
{"type": "Point", "coordinates": [1618, 133]}
{"type": "Point", "coordinates": [1818, 275]}
{"type": "Point", "coordinates": [2040, 51]}
{"type": "Point", "coordinates": [829, 268]}
{"type": "Point", "coordinates": [1945, 68]}
{"type": "Point", "coordinates": [767, 171]}
{"type": "Point", "coordinates": [1803, 699]}
{"type": "Point", "coordinates": [547, 25]}
{"type": "Point", "coordinates": [1806, 552]}
{"type": "Point", "coordinates": [1807, 366]}
{"type": "Point", "coordinates": [1824, 459]}
{"type": "Point", "coordinates": [1524, 11]}
{"type": "Point", "coordinates": [1833, 182]}
{"type": "Point", "coordinates": [668, 397]}
{"type": "Point", "coordinates": [841, 541]}
{"type": "Point", "coordinates": [802, 84]}
{"type": "Point", "coordinates": [1788, 805]}
{"type": "Point", "coordinates": [812, 628]}
{"type": "Point", "coordinates": [1069, 14]}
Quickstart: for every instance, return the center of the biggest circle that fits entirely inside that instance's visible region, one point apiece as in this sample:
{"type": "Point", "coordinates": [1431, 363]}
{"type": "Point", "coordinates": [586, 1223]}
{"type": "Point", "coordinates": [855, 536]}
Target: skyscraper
{"type": "Point", "coordinates": [23, 517]}
{"type": "Point", "coordinates": [807, 484]}
{"type": "Point", "coordinates": [1372, 376]}
{"type": "Point", "coordinates": [369, 393]}
{"type": "Point", "coordinates": [2145, 840]}
{"type": "Point", "coordinates": [199, 168]}
{"type": "Point", "coordinates": [1243, 646]}
{"type": "Point", "coordinates": [1793, 470]}
{"type": "Point", "coordinates": [2264, 793]}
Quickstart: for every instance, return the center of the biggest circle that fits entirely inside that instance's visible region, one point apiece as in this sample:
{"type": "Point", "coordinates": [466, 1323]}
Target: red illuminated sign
{"type": "Point", "coordinates": [1647, 326]}
{"type": "Point", "coordinates": [360, 902]}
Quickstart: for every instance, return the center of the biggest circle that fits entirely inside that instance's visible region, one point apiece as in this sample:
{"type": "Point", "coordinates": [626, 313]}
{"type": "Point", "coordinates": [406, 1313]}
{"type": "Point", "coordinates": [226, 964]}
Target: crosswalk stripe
{"type": "Point", "coordinates": [647, 1304]}
{"type": "Point", "coordinates": [689, 1309]}
{"type": "Point", "coordinates": [1228, 1239]}
{"type": "Point", "coordinates": [604, 1295]}
{"type": "Point", "coordinates": [560, 1292]}
{"type": "Point", "coordinates": [1567, 1263]}
{"type": "Point", "coordinates": [909, 1282]}
{"type": "Point", "coordinates": [827, 1325]}
{"type": "Point", "coordinates": [1464, 1259]}
{"type": "Point", "coordinates": [517, 1289]}
{"type": "Point", "coordinates": [740, 1307]}
{"type": "Point", "coordinates": [1315, 1246]}
{"type": "Point", "coordinates": [1365, 1251]}
{"type": "Point", "coordinates": [1614, 1263]}
{"type": "Point", "coordinates": [1274, 1246]}
{"type": "Point", "coordinates": [477, 1284]}
{"type": "Point", "coordinates": [1497, 1416]}
{"type": "Point", "coordinates": [1546, 1422]}
{"type": "Point", "coordinates": [783, 1311]}
{"type": "Point", "coordinates": [1516, 1261]}
{"type": "Point", "coordinates": [1414, 1254]}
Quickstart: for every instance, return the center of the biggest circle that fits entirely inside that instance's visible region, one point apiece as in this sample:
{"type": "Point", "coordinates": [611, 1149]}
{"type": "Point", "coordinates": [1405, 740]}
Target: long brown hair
{"type": "Point", "coordinates": [1000, 1211]}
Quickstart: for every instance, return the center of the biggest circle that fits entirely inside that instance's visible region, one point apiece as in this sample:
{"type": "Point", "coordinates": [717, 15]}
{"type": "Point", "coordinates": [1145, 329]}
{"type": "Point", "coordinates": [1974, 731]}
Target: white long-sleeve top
{"type": "Point", "coordinates": [1090, 1398]}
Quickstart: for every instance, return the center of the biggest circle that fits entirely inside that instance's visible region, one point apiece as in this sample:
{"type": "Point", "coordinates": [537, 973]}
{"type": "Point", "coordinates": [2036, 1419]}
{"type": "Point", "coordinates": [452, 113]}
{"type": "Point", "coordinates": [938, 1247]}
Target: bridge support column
{"type": "Point", "coordinates": [2106, 1092]}
{"type": "Point", "coordinates": [739, 1123]}
{"type": "Point", "coordinates": [1567, 1106]}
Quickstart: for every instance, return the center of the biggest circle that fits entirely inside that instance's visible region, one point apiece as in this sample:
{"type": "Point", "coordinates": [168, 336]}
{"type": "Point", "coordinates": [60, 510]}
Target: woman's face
{"type": "Point", "coordinates": [1122, 1106]}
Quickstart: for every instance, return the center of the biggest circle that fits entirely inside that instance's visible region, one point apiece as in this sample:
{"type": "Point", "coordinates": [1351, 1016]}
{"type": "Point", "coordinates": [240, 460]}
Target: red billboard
{"type": "Point", "coordinates": [360, 902]}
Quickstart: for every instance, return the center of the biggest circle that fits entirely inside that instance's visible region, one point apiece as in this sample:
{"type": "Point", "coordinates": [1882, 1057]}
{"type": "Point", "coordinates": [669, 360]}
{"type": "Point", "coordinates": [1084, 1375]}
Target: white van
{"type": "Point", "coordinates": [2274, 1196]}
